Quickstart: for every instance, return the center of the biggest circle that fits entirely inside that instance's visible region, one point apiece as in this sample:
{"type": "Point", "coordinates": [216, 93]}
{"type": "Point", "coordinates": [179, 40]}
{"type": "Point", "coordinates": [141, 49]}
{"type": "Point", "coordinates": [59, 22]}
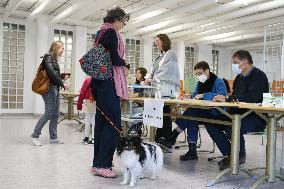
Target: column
{"type": "Point", "coordinates": [79, 50]}
{"type": "Point", "coordinates": [180, 52]}
{"type": "Point", "coordinates": [42, 47]}
{"type": "Point", "coordinates": [1, 45]}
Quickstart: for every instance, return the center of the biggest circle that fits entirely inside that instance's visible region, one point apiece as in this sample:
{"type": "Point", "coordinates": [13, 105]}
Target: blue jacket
{"type": "Point", "coordinates": [219, 88]}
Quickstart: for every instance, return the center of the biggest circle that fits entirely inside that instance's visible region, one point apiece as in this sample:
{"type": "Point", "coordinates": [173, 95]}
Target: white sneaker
{"type": "Point", "coordinates": [56, 141]}
{"type": "Point", "coordinates": [36, 141]}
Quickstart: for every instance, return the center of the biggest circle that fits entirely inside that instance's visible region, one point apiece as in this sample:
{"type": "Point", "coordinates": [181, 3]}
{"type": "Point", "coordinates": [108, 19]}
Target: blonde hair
{"type": "Point", "coordinates": [53, 50]}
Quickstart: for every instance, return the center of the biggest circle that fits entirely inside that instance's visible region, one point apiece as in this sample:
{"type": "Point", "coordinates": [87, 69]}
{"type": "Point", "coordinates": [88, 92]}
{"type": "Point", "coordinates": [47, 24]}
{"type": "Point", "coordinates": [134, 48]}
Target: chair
{"type": "Point", "coordinates": [277, 88]}
{"type": "Point", "coordinates": [231, 86]}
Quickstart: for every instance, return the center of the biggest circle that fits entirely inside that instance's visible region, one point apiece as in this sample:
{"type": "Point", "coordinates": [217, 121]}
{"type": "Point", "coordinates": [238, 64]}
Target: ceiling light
{"type": "Point", "coordinates": [155, 26]}
{"type": "Point", "coordinates": [205, 25]}
{"type": "Point", "coordinates": [245, 2]}
{"type": "Point", "coordinates": [148, 15]}
{"type": "Point", "coordinates": [220, 36]}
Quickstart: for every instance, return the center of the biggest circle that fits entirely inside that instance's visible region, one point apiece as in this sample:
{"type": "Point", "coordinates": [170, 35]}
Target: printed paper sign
{"type": "Point", "coordinates": [153, 112]}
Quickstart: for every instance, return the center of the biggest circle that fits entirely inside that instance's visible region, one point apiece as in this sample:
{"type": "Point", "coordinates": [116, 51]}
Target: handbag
{"type": "Point", "coordinates": [96, 62]}
{"type": "Point", "coordinates": [41, 81]}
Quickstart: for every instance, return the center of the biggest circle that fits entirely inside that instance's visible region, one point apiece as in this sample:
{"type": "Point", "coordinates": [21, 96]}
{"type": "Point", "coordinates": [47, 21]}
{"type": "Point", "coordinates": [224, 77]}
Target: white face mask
{"type": "Point", "coordinates": [236, 68]}
{"type": "Point", "coordinates": [202, 78]}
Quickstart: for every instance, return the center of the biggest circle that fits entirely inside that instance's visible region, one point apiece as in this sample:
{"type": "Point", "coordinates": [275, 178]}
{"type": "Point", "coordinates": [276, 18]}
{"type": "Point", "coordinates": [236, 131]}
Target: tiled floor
{"type": "Point", "coordinates": [23, 166]}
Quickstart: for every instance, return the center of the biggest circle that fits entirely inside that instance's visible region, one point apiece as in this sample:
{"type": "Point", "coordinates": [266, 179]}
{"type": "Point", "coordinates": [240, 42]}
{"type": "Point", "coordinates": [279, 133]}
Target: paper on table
{"type": "Point", "coordinates": [153, 112]}
{"type": "Point", "coordinates": [268, 100]}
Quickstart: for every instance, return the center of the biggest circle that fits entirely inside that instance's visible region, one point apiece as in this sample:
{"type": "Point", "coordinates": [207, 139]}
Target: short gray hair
{"type": "Point", "coordinates": [116, 14]}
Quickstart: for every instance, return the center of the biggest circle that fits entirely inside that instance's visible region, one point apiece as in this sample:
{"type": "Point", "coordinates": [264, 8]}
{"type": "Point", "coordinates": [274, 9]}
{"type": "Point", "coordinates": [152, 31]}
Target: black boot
{"type": "Point", "coordinates": [171, 141]}
{"type": "Point", "coordinates": [191, 154]}
{"type": "Point", "coordinates": [174, 136]}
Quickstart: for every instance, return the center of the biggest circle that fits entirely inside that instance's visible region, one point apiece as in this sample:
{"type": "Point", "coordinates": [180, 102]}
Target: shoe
{"type": "Point", "coordinates": [85, 141]}
{"type": "Point", "coordinates": [242, 158]}
{"type": "Point", "coordinates": [165, 143]}
{"type": "Point", "coordinates": [225, 162]}
{"type": "Point", "coordinates": [56, 141]}
{"type": "Point", "coordinates": [107, 173]}
{"type": "Point", "coordinates": [174, 136]}
{"type": "Point", "coordinates": [191, 154]}
{"type": "Point", "coordinates": [36, 141]}
{"type": "Point", "coordinates": [91, 141]}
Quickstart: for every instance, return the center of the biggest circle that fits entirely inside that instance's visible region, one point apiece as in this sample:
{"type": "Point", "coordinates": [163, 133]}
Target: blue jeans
{"type": "Point", "coordinates": [105, 137]}
{"type": "Point", "coordinates": [221, 134]}
{"type": "Point", "coordinates": [52, 101]}
{"type": "Point", "coordinates": [191, 125]}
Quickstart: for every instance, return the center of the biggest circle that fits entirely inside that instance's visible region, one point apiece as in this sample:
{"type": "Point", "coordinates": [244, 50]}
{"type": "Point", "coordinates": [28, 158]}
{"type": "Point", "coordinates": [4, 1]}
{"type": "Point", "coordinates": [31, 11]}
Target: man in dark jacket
{"type": "Point", "coordinates": [249, 86]}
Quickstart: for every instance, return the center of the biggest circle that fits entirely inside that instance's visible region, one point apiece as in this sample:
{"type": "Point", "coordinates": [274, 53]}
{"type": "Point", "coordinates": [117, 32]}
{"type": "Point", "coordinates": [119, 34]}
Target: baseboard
{"type": "Point", "coordinates": [19, 115]}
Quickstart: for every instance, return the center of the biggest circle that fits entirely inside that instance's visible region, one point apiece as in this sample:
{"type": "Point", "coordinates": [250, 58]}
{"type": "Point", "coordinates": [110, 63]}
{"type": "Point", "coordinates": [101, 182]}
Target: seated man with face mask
{"type": "Point", "coordinates": [208, 86]}
{"type": "Point", "coordinates": [249, 86]}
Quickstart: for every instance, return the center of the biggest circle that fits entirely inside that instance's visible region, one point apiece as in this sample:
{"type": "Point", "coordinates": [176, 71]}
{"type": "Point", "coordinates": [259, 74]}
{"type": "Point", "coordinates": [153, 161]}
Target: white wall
{"type": "Point", "coordinates": [224, 65]}
{"type": "Point", "coordinates": [147, 53]}
{"type": "Point", "coordinates": [204, 53]}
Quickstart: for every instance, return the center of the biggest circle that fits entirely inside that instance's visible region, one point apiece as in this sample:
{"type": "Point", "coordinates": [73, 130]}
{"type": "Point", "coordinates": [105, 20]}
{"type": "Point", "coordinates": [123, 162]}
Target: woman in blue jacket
{"type": "Point", "coordinates": [208, 86]}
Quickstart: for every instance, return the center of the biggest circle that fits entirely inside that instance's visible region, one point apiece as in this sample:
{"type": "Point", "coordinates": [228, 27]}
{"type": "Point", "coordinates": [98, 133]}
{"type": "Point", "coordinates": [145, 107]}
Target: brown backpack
{"type": "Point", "coordinates": [41, 81]}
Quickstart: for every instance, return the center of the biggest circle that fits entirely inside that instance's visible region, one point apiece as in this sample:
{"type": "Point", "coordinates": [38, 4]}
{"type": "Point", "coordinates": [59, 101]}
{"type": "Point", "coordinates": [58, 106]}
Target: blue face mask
{"type": "Point", "coordinates": [236, 69]}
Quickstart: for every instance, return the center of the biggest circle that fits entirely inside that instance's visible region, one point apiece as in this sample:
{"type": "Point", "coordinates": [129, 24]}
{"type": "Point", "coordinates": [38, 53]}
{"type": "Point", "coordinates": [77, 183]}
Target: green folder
{"type": "Point", "coordinates": [189, 84]}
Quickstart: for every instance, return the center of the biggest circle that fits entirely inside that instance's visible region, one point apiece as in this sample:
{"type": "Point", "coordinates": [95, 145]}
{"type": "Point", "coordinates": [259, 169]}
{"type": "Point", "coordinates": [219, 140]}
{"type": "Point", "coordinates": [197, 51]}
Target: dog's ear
{"type": "Point", "coordinates": [139, 149]}
{"type": "Point", "coordinates": [137, 140]}
{"type": "Point", "coordinates": [120, 144]}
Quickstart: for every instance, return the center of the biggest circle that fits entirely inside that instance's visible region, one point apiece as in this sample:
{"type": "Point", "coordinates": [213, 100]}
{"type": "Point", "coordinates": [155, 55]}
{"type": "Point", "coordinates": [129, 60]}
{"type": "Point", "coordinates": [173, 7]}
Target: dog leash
{"type": "Point", "coordinates": [112, 124]}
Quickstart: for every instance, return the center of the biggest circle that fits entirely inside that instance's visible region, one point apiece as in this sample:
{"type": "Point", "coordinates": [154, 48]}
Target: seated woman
{"type": "Point", "coordinates": [140, 76]}
{"type": "Point", "coordinates": [208, 86]}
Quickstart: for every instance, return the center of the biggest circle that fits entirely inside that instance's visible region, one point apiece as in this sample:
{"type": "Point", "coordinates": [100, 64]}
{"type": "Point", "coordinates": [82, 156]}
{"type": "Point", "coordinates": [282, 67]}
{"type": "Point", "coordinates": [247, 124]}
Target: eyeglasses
{"type": "Point", "coordinates": [198, 73]}
{"type": "Point", "coordinates": [123, 22]}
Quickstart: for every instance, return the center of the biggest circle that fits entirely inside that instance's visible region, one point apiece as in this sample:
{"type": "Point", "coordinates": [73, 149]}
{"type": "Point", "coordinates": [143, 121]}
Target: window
{"type": "Point", "coordinates": [189, 61]}
{"type": "Point", "coordinates": [13, 66]}
{"type": "Point", "coordinates": [215, 60]}
{"type": "Point", "coordinates": [156, 52]}
{"type": "Point", "coordinates": [67, 38]}
{"type": "Point", "coordinates": [90, 40]}
{"type": "Point", "coordinates": [133, 54]}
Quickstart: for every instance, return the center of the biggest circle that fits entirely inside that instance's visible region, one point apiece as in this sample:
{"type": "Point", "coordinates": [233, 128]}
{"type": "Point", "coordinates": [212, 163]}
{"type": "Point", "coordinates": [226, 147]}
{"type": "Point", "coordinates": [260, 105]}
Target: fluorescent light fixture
{"type": "Point", "coordinates": [174, 29]}
{"type": "Point", "coordinates": [205, 25]}
{"type": "Point", "coordinates": [245, 2]}
{"type": "Point", "coordinates": [208, 31]}
{"type": "Point", "coordinates": [155, 26]}
{"type": "Point", "coordinates": [40, 8]}
{"type": "Point", "coordinates": [204, 32]}
{"type": "Point", "coordinates": [148, 15]}
{"type": "Point", "coordinates": [221, 36]}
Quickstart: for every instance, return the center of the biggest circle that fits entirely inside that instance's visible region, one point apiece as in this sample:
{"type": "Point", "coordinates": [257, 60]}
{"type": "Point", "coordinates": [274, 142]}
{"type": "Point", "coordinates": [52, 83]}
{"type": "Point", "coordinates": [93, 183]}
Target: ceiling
{"type": "Point", "coordinates": [227, 23]}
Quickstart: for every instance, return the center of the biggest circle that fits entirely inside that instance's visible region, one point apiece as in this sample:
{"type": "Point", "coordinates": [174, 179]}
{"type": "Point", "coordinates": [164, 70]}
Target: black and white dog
{"type": "Point", "coordinates": [137, 157]}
